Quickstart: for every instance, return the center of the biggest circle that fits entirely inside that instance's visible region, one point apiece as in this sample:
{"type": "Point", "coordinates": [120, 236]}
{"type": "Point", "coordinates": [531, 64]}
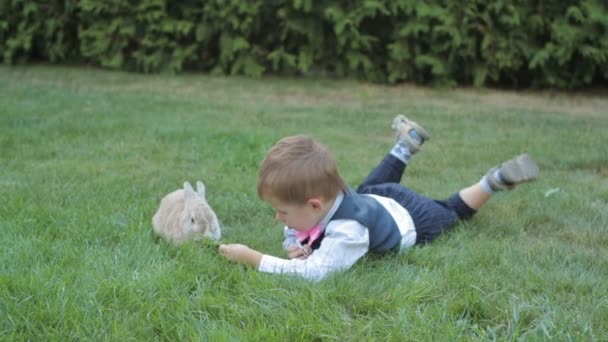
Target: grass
{"type": "Point", "coordinates": [86, 155]}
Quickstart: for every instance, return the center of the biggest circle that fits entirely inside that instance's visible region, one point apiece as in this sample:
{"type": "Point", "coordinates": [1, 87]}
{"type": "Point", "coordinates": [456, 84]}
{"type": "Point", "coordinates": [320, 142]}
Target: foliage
{"type": "Point", "coordinates": [541, 43]}
{"type": "Point", "coordinates": [38, 30]}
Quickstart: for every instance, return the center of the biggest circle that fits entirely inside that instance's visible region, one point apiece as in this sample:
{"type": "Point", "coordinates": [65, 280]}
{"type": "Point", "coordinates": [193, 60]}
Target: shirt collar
{"type": "Point", "coordinates": [325, 221]}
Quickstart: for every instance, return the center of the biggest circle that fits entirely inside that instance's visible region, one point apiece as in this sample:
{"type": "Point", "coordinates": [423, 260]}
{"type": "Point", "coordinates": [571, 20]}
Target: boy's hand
{"type": "Point", "coordinates": [294, 251]}
{"type": "Point", "coordinates": [241, 253]}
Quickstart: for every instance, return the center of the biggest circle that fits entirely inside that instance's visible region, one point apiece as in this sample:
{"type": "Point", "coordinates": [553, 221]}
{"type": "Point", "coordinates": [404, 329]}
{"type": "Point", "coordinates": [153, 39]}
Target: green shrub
{"type": "Point", "coordinates": [38, 30]}
{"type": "Point", "coordinates": [548, 43]}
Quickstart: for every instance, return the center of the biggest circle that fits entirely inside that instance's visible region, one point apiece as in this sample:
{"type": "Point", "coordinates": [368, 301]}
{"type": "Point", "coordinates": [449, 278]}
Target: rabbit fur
{"type": "Point", "coordinates": [184, 214]}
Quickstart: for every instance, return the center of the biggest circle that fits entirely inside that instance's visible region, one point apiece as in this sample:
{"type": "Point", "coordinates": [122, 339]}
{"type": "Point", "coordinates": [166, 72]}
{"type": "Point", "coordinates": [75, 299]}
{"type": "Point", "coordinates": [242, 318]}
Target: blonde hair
{"type": "Point", "coordinates": [298, 168]}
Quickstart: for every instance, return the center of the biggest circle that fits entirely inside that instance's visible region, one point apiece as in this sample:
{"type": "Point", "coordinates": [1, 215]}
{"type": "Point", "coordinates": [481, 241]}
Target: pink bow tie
{"type": "Point", "coordinates": [312, 235]}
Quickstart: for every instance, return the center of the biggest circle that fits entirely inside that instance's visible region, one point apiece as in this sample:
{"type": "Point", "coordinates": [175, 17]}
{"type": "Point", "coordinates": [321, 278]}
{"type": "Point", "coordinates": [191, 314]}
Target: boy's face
{"type": "Point", "coordinates": [301, 217]}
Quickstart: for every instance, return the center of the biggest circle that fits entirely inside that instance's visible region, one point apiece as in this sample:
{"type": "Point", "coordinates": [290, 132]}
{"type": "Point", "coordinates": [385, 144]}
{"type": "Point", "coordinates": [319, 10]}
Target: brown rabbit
{"type": "Point", "coordinates": [185, 214]}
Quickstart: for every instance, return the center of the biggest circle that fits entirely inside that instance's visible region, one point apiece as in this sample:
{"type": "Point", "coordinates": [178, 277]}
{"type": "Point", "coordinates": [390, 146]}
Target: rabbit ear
{"type": "Point", "coordinates": [188, 191]}
{"type": "Point", "coordinates": [200, 189]}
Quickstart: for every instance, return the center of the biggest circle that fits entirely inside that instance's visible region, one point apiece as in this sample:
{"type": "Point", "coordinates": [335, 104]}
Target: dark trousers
{"type": "Point", "coordinates": [431, 217]}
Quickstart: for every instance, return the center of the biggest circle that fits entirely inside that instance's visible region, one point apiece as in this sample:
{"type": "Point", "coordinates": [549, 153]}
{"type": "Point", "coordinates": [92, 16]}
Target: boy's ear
{"type": "Point", "coordinates": [315, 203]}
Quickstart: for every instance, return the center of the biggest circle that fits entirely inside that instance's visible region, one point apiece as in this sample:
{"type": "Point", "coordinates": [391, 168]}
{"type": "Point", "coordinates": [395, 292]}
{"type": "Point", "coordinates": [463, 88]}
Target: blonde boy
{"type": "Point", "coordinates": [328, 226]}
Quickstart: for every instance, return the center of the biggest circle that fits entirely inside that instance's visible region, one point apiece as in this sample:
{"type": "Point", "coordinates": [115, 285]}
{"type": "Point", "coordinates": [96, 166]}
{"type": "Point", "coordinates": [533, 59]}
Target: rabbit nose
{"type": "Point", "coordinates": [215, 233]}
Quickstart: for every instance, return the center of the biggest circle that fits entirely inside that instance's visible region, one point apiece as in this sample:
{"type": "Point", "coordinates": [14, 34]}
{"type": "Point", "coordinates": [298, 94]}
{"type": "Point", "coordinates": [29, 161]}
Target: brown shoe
{"type": "Point", "coordinates": [402, 126]}
{"type": "Point", "coordinates": [513, 172]}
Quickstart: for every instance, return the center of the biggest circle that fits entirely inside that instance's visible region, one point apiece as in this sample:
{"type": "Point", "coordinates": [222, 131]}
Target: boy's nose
{"type": "Point", "coordinates": [278, 217]}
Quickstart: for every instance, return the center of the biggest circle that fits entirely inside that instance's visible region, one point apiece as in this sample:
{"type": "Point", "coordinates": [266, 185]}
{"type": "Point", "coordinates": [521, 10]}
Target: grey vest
{"type": "Point", "coordinates": [384, 234]}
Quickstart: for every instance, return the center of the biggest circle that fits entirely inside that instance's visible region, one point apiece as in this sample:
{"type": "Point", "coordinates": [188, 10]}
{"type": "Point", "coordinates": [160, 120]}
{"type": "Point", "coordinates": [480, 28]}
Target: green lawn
{"type": "Point", "coordinates": [86, 155]}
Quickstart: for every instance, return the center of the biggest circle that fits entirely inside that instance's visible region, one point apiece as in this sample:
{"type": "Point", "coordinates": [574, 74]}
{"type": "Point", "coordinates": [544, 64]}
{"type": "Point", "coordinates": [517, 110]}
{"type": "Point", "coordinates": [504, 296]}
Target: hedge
{"type": "Point", "coordinates": [538, 43]}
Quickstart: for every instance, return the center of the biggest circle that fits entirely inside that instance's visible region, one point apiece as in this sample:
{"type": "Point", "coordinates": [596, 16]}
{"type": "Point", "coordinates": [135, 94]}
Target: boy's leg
{"type": "Point", "coordinates": [473, 196]}
{"type": "Point", "coordinates": [409, 139]}
{"type": "Point", "coordinates": [506, 176]}
{"type": "Point", "coordinates": [433, 217]}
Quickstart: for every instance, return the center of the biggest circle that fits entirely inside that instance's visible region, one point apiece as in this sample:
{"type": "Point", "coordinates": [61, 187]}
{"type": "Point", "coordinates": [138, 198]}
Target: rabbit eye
{"type": "Point", "coordinates": [192, 219]}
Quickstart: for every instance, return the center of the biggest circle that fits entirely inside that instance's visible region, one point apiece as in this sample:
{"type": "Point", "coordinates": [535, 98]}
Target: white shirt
{"type": "Point", "coordinates": [345, 242]}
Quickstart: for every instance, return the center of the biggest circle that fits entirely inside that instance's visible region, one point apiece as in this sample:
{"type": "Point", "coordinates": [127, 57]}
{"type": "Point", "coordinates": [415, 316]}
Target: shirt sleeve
{"type": "Point", "coordinates": [290, 238]}
{"type": "Point", "coordinates": [345, 242]}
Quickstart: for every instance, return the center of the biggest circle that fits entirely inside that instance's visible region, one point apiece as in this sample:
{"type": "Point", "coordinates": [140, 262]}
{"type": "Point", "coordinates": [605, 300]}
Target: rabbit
{"type": "Point", "coordinates": [185, 214]}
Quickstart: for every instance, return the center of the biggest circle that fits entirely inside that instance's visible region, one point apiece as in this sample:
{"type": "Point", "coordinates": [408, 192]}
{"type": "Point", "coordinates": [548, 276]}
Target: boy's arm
{"type": "Point", "coordinates": [345, 242]}
{"type": "Point", "coordinates": [242, 254]}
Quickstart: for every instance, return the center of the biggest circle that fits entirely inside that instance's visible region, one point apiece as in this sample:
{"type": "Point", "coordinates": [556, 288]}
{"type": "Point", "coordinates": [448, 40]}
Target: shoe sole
{"type": "Point", "coordinates": [520, 169]}
{"type": "Point", "coordinates": [401, 120]}
{"type": "Point", "coordinates": [423, 132]}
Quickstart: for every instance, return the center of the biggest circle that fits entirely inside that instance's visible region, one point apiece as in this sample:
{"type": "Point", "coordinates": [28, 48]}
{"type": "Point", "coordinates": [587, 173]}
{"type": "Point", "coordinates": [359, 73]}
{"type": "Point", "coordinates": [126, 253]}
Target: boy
{"type": "Point", "coordinates": [329, 226]}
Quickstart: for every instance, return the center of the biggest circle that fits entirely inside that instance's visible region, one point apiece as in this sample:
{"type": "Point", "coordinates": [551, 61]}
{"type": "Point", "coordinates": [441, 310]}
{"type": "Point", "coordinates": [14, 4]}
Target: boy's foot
{"type": "Point", "coordinates": [518, 170]}
{"type": "Point", "coordinates": [410, 133]}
